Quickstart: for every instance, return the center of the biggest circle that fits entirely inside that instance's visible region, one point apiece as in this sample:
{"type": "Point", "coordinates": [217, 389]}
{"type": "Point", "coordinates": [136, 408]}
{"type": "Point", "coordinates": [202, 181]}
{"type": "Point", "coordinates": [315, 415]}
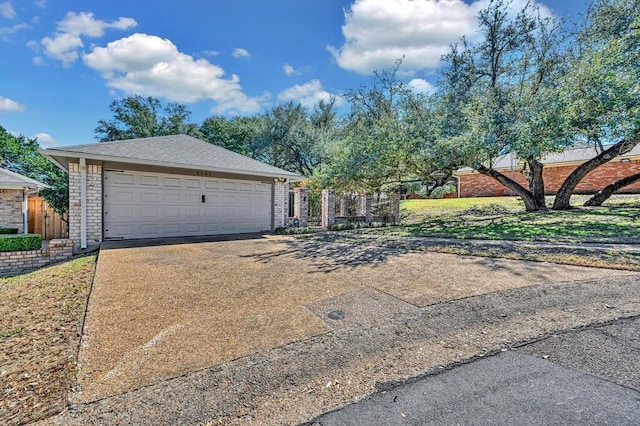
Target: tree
{"type": "Point", "coordinates": [294, 139]}
{"type": "Point", "coordinates": [22, 155]}
{"type": "Point", "coordinates": [238, 134]}
{"type": "Point", "coordinates": [504, 88]}
{"type": "Point", "coordinates": [602, 91]}
{"type": "Point", "coordinates": [373, 143]}
{"type": "Point", "coordinates": [138, 117]}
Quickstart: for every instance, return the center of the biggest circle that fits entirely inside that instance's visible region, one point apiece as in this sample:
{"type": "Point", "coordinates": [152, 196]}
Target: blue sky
{"type": "Point", "coordinates": [63, 62]}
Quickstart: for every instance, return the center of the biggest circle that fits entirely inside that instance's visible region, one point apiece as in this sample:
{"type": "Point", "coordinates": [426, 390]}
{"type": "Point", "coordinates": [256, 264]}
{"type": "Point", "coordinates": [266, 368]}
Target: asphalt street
{"type": "Point", "coordinates": [584, 377]}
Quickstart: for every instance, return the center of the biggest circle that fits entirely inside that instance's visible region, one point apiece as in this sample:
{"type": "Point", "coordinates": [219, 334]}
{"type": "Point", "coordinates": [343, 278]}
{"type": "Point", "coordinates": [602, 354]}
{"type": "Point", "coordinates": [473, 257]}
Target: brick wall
{"type": "Point", "coordinates": [11, 209]}
{"type": "Point", "coordinates": [477, 185]}
{"type": "Point", "coordinates": [15, 262]}
{"type": "Point", "coordinates": [94, 203]}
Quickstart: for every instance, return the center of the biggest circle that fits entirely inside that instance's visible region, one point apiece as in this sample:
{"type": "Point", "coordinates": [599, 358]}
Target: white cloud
{"type": "Point", "coordinates": [64, 44]}
{"type": "Point", "coordinates": [45, 140]}
{"type": "Point", "coordinates": [6, 31]}
{"type": "Point", "coordinates": [307, 94]}
{"type": "Point", "coordinates": [9, 105]}
{"type": "Point", "coordinates": [288, 69]}
{"type": "Point", "coordinates": [148, 65]}
{"type": "Point", "coordinates": [41, 3]}
{"type": "Point", "coordinates": [379, 32]}
{"type": "Point", "coordinates": [37, 60]}
{"type": "Point", "coordinates": [239, 52]}
{"type": "Point", "coordinates": [6, 10]}
{"type": "Point", "coordinates": [211, 53]}
{"type": "Point", "coordinates": [419, 85]}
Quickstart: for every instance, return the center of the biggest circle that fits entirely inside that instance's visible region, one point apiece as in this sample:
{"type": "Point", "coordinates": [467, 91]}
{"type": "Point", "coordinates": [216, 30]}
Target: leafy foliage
{"type": "Point", "coordinates": [22, 155]}
{"type": "Point", "coordinates": [138, 117]}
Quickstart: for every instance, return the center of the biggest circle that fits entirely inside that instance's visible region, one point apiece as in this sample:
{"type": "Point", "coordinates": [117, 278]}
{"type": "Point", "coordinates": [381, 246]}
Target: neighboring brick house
{"type": "Point", "coordinates": [556, 168]}
{"type": "Point", "coordinates": [168, 186]}
{"type": "Point", "coordinates": [14, 191]}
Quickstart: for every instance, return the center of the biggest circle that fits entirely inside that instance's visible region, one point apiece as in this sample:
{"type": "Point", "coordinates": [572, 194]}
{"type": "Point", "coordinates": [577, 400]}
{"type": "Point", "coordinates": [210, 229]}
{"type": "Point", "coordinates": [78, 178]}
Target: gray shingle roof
{"type": "Point", "coordinates": [173, 151]}
{"type": "Point", "coordinates": [9, 179]}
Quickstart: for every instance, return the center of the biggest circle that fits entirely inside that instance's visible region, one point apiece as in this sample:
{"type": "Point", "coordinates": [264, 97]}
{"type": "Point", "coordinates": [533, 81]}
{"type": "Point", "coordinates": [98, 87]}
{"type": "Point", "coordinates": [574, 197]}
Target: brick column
{"type": "Point", "coordinates": [301, 205]}
{"type": "Point", "coordinates": [328, 208]}
{"type": "Point", "coordinates": [364, 206]}
{"type": "Point", "coordinates": [394, 200]}
{"type": "Point", "coordinates": [94, 204]}
{"type": "Point", "coordinates": [280, 202]}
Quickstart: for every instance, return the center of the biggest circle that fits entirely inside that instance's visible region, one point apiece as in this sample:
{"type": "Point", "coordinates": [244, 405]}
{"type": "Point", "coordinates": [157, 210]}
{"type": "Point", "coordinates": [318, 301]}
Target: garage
{"type": "Point", "coordinates": [154, 205]}
{"type": "Point", "coordinates": [168, 186]}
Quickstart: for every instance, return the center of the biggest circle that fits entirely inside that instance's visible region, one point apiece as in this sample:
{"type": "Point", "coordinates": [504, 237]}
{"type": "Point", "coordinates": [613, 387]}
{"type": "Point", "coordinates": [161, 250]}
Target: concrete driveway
{"type": "Point", "coordinates": [158, 312]}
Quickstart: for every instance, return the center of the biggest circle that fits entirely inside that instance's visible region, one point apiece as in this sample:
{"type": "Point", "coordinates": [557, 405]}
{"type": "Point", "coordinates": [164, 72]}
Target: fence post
{"type": "Point", "coordinates": [328, 208]}
{"type": "Point", "coordinates": [301, 205]}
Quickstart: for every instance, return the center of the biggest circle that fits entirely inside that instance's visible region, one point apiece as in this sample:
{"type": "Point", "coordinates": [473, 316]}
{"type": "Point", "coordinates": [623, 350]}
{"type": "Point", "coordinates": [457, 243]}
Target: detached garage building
{"type": "Point", "coordinates": [168, 186]}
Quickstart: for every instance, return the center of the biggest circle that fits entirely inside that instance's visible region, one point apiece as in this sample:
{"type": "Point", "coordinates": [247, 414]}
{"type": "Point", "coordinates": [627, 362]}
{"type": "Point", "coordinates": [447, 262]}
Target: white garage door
{"type": "Point", "coordinates": [153, 205]}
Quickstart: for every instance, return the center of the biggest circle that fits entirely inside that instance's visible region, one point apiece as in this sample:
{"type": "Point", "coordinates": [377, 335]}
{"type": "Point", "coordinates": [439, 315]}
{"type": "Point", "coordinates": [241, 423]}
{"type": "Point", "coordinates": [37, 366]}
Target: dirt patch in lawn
{"type": "Point", "coordinates": [160, 312]}
{"type": "Point", "coordinates": [41, 318]}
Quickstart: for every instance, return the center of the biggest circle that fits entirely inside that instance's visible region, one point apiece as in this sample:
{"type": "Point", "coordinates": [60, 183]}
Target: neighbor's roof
{"type": "Point", "coordinates": [168, 151]}
{"type": "Point", "coordinates": [13, 180]}
{"type": "Point", "coordinates": [566, 157]}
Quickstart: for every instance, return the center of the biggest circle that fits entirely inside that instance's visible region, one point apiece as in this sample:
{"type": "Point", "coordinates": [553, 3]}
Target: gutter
{"type": "Point", "coordinates": [51, 153]}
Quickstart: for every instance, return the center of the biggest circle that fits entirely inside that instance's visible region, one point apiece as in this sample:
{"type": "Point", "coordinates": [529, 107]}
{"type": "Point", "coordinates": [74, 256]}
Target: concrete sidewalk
{"type": "Point", "coordinates": [584, 377]}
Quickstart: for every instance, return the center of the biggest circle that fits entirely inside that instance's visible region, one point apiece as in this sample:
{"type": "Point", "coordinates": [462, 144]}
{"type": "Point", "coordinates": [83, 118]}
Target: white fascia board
{"type": "Point", "coordinates": [70, 154]}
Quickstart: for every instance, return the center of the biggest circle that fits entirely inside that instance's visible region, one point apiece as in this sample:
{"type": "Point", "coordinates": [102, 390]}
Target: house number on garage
{"type": "Point", "coordinates": [204, 173]}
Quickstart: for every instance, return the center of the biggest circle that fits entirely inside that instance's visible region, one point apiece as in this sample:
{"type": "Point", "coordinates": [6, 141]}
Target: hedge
{"type": "Point", "coordinates": [20, 242]}
{"type": "Point", "coordinates": [8, 230]}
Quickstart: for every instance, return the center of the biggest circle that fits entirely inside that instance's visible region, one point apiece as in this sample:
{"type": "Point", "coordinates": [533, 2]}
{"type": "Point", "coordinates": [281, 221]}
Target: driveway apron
{"type": "Point", "coordinates": [159, 312]}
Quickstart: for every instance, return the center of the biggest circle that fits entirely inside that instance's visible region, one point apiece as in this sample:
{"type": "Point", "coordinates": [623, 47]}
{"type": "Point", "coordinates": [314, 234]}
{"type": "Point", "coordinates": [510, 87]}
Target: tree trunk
{"type": "Point", "coordinates": [529, 201]}
{"type": "Point", "coordinates": [563, 196]}
{"type": "Point", "coordinates": [606, 192]}
{"type": "Point", "coordinates": [536, 182]}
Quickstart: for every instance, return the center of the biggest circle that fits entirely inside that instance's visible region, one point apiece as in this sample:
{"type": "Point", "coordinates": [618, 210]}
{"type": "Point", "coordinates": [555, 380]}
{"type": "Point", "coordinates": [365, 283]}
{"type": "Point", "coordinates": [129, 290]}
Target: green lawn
{"type": "Point", "coordinates": [504, 218]}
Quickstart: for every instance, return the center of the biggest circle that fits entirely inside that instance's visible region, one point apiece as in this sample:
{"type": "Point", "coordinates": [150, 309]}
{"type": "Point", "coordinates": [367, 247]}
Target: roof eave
{"type": "Point", "coordinates": [51, 154]}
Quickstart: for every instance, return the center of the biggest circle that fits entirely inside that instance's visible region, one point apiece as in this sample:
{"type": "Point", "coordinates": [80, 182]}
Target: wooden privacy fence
{"type": "Point", "coordinates": [45, 221]}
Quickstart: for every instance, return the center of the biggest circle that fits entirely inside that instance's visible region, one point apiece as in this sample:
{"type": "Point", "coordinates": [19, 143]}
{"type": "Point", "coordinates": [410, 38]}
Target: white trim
{"type": "Point", "coordinates": [51, 153]}
{"type": "Point", "coordinates": [83, 203]}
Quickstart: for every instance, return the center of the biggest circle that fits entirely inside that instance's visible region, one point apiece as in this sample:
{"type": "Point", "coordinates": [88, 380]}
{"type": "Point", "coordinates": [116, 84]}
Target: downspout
{"type": "Point", "coordinates": [457, 186]}
{"type": "Point", "coordinates": [83, 203]}
{"type": "Point", "coordinates": [25, 216]}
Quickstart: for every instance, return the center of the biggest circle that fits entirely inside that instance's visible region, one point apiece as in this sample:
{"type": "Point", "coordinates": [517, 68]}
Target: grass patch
{"type": "Point", "coordinates": [505, 219]}
{"type": "Point", "coordinates": [476, 226]}
{"type": "Point", "coordinates": [40, 327]}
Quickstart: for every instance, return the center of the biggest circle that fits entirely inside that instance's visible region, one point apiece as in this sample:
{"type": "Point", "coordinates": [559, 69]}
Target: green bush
{"type": "Point", "coordinates": [8, 230]}
{"type": "Point", "coordinates": [443, 191]}
{"type": "Point", "coordinates": [293, 230]}
{"type": "Point", "coordinates": [20, 242]}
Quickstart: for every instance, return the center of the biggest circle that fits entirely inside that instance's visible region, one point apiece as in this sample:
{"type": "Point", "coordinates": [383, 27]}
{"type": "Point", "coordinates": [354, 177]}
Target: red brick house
{"type": "Point", "coordinates": [556, 168]}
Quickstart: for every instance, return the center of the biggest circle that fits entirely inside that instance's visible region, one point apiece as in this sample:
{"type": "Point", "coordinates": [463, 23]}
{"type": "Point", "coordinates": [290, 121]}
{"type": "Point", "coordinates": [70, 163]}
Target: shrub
{"type": "Point", "coordinates": [443, 191]}
{"type": "Point", "coordinates": [20, 242]}
{"type": "Point", "coordinates": [293, 230]}
{"type": "Point", "coordinates": [8, 230]}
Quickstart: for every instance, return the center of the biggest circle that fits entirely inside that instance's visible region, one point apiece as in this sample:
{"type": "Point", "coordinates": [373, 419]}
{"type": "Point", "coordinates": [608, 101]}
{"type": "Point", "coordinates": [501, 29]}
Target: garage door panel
{"type": "Point", "coordinates": [153, 205]}
{"type": "Point", "coordinates": [148, 180]}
